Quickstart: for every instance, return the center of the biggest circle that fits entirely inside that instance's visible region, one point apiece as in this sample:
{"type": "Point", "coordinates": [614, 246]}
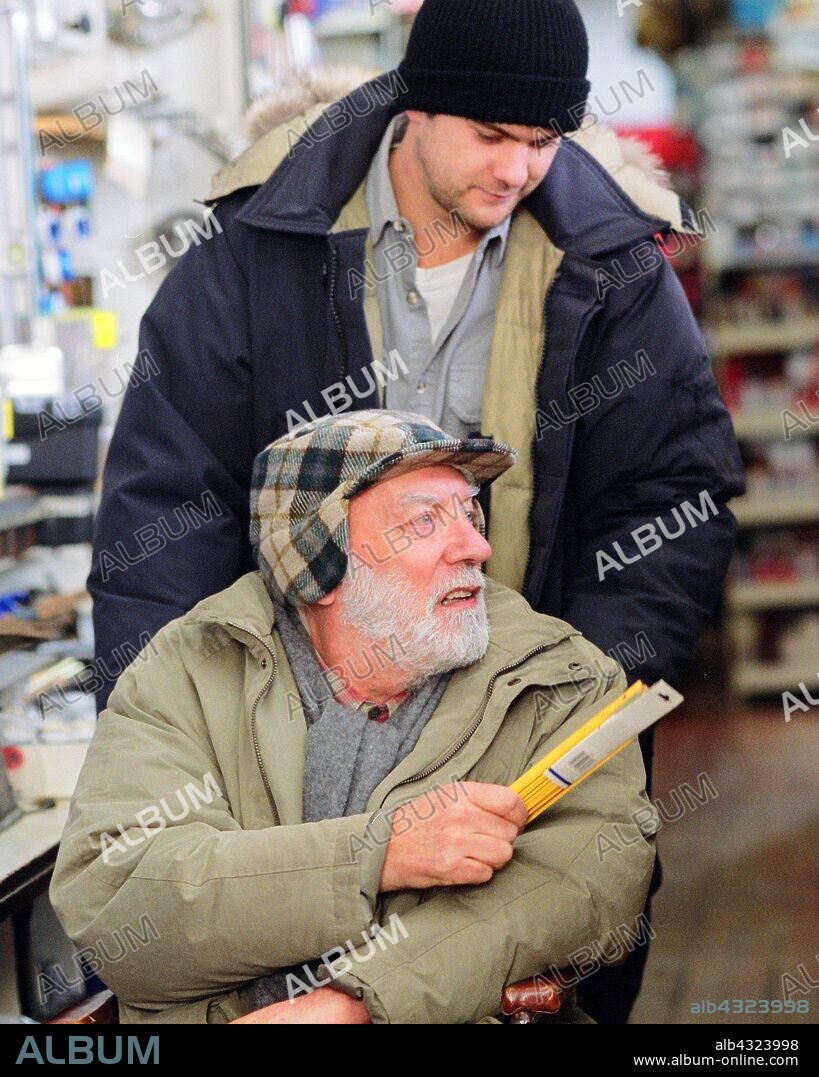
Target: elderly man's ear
{"type": "Point", "coordinates": [326, 600]}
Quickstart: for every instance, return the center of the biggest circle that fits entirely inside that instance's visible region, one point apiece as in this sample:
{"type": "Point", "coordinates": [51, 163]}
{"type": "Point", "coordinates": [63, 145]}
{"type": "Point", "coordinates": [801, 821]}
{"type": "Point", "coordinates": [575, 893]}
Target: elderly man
{"type": "Point", "coordinates": [326, 747]}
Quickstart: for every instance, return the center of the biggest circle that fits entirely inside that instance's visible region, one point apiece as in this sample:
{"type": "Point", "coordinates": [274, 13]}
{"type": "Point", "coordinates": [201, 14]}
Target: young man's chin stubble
{"type": "Point", "coordinates": [476, 211]}
{"type": "Point", "coordinates": [464, 201]}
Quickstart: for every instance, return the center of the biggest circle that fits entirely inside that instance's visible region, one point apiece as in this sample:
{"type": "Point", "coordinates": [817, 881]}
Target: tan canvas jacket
{"type": "Point", "coordinates": [188, 812]}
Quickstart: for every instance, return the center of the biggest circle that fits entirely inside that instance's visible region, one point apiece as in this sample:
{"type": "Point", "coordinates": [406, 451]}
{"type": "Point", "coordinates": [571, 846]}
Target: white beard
{"type": "Point", "coordinates": [433, 639]}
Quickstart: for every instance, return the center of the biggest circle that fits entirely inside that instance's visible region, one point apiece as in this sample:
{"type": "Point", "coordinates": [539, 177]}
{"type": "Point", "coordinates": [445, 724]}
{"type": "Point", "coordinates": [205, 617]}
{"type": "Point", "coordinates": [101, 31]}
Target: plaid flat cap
{"type": "Point", "coordinates": [302, 486]}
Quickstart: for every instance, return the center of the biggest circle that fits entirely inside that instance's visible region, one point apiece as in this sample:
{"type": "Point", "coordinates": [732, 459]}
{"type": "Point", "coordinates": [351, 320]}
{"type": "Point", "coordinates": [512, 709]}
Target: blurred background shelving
{"type": "Point", "coordinates": [742, 86]}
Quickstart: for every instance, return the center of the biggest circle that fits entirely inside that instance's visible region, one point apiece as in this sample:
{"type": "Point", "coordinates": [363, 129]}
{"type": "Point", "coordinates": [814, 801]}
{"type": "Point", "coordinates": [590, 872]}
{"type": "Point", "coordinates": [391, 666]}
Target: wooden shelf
{"type": "Point", "coordinates": [28, 849]}
{"type": "Point", "coordinates": [760, 678]}
{"type": "Point", "coordinates": [768, 596]}
{"type": "Point", "coordinates": [65, 126]}
{"type": "Point", "coordinates": [769, 426]}
{"type": "Point", "coordinates": [786, 258]}
{"type": "Point", "coordinates": [764, 336]}
{"type": "Point", "coordinates": [755, 510]}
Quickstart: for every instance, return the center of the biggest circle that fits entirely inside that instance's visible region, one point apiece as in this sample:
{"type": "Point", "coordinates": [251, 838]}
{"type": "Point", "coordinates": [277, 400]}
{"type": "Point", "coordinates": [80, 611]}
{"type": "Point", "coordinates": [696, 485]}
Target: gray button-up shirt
{"type": "Point", "coordinates": [445, 379]}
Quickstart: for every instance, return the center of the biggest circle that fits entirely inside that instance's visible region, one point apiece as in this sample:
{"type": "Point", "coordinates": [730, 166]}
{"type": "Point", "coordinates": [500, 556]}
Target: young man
{"type": "Point", "coordinates": [428, 217]}
{"type": "Point", "coordinates": [326, 745]}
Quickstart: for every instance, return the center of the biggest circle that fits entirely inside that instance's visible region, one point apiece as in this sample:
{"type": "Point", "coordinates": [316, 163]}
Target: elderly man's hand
{"type": "Point", "coordinates": [466, 840]}
{"type": "Point", "coordinates": [324, 1006]}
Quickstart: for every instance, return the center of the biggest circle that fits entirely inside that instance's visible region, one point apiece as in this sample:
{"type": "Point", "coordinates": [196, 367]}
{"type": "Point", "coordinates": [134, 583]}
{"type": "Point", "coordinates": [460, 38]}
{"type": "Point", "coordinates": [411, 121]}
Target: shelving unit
{"type": "Point", "coordinates": [761, 279]}
{"type": "Point", "coordinates": [764, 336]}
{"type": "Point", "coordinates": [776, 511]}
{"type": "Point", "coordinates": [18, 273]}
{"type": "Point", "coordinates": [767, 596]}
{"type": "Point", "coordinates": [359, 35]}
{"type": "Point", "coordinates": [43, 526]}
{"type": "Point", "coordinates": [765, 678]}
{"type": "Point", "coordinates": [371, 34]}
{"type": "Point", "coordinates": [754, 425]}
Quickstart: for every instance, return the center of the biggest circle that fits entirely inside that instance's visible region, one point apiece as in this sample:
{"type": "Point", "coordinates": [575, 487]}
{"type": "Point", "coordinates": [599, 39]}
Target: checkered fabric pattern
{"type": "Point", "coordinates": [302, 486]}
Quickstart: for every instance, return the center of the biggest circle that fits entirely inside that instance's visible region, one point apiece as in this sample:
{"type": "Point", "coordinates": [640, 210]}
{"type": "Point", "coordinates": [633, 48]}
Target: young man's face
{"type": "Point", "coordinates": [482, 170]}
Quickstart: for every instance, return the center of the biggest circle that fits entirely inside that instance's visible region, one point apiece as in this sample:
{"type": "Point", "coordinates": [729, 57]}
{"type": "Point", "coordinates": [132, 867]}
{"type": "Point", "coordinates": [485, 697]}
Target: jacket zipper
{"type": "Point", "coordinates": [256, 748]}
{"type": "Point", "coordinates": [527, 576]}
{"type": "Point", "coordinates": [442, 762]}
{"type": "Point", "coordinates": [425, 773]}
{"type": "Point", "coordinates": [342, 336]}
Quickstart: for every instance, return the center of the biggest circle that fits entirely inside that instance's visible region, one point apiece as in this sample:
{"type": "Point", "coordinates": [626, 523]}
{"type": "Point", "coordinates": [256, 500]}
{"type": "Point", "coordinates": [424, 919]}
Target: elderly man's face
{"type": "Point", "coordinates": [415, 569]}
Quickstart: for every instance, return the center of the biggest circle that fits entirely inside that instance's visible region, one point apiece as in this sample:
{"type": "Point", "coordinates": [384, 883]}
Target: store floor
{"type": "Point", "coordinates": [737, 908]}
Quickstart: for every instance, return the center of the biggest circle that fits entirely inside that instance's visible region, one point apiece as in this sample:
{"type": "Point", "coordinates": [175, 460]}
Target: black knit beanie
{"type": "Point", "coordinates": [499, 61]}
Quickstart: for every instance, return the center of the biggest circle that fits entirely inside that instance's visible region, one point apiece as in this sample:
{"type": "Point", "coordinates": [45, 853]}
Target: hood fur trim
{"type": "Point", "coordinates": [636, 170]}
{"type": "Point", "coordinates": [319, 86]}
{"type": "Point", "coordinates": [327, 83]}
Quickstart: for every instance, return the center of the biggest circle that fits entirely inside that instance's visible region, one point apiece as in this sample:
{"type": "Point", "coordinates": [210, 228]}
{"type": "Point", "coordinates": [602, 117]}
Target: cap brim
{"type": "Point", "coordinates": [480, 461]}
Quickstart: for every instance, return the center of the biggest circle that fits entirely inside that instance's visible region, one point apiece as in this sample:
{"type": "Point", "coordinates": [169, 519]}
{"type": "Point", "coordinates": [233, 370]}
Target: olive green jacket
{"type": "Point", "coordinates": [185, 838]}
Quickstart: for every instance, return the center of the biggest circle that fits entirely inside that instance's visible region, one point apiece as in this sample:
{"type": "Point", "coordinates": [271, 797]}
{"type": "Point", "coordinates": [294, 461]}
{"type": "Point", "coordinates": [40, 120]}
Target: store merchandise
{"type": "Point", "coordinates": [143, 25]}
{"type": "Point", "coordinates": [754, 385]}
{"type": "Point", "coordinates": [63, 227]}
{"type": "Point", "coordinates": [9, 812]}
{"type": "Point", "coordinates": [741, 93]}
{"type": "Point", "coordinates": [741, 97]}
{"type": "Point", "coordinates": [765, 296]}
{"type": "Point", "coordinates": [779, 467]}
{"type": "Point", "coordinates": [788, 639]}
{"type": "Point", "coordinates": [771, 557]}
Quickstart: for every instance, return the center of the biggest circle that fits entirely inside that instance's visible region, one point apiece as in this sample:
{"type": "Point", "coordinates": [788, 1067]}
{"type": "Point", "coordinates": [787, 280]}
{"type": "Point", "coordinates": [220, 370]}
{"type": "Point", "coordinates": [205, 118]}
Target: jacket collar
{"type": "Point", "coordinates": [580, 206]}
{"type": "Point", "coordinates": [520, 640]}
{"type": "Point", "coordinates": [245, 605]}
{"type": "Point", "coordinates": [322, 172]}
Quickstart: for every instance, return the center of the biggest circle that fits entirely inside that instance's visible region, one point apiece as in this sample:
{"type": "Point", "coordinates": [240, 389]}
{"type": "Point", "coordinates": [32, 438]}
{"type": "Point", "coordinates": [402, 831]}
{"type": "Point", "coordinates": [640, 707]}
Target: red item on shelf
{"type": "Point", "coordinates": [12, 757]}
{"type": "Point", "coordinates": [732, 381]}
{"type": "Point", "coordinates": [676, 147]}
{"type": "Point", "coordinates": [774, 570]}
{"type": "Point", "coordinates": [755, 57]}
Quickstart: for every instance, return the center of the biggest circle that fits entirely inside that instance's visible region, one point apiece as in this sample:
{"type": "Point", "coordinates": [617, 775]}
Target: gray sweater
{"type": "Point", "coordinates": [348, 754]}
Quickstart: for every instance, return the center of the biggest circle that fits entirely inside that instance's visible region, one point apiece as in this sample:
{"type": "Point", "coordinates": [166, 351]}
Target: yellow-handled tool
{"type": "Point", "coordinates": [588, 748]}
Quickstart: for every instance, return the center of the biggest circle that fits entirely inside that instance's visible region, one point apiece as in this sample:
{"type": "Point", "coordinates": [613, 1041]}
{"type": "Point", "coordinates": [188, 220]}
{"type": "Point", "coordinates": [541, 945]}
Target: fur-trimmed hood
{"type": "Point", "coordinates": [276, 121]}
{"type": "Point", "coordinates": [319, 86]}
{"type": "Point", "coordinates": [325, 84]}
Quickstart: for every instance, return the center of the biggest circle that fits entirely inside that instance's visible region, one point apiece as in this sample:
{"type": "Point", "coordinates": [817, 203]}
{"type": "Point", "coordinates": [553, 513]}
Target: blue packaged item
{"type": "Point", "coordinates": [327, 7]}
{"type": "Point", "coordinates": [67, 183]}
{"type": "Point", "coordinates": [53, 303]}
{"type": "Point", "coordinates": [9, 602]}
{"type": "Point", "coordinates": [48, 225]}
{"type": "Point", "coordinates": [753, 14]}
{"type": "Point", "coordinates": [67, 266]}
